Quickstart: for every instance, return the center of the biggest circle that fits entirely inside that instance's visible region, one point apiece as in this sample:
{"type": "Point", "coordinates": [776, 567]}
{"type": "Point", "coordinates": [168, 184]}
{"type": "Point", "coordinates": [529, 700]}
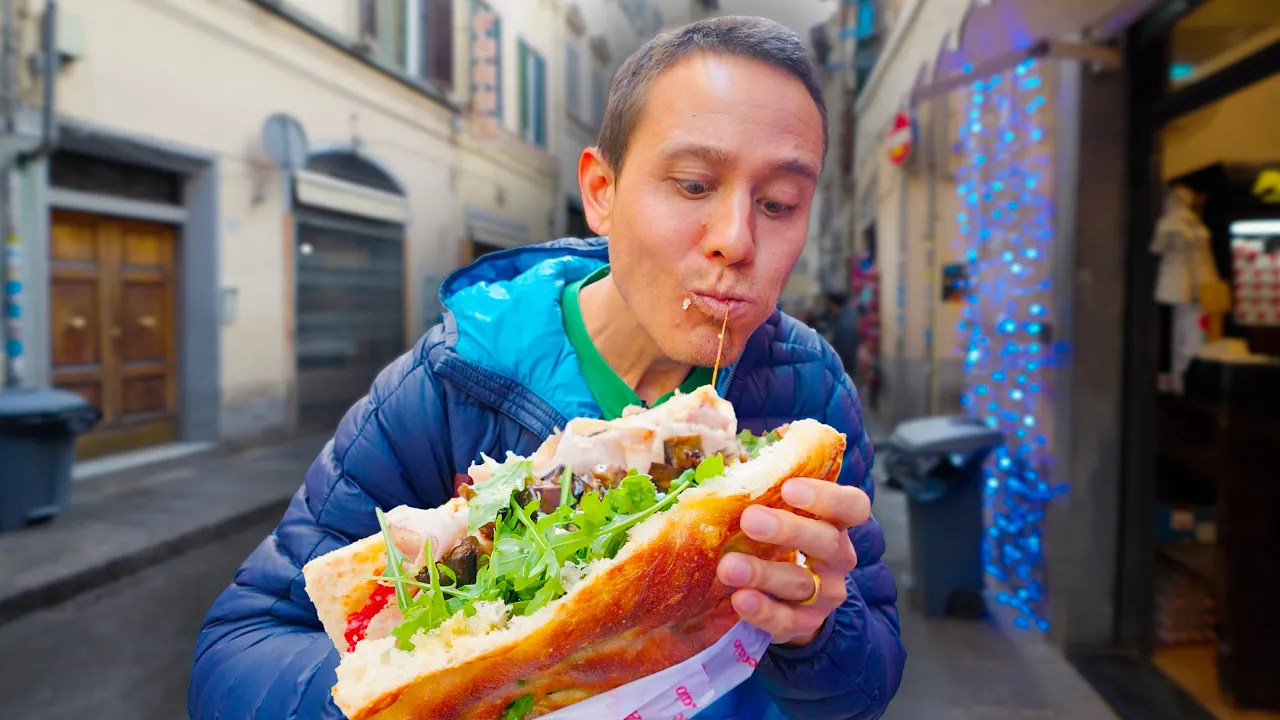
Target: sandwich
{"type": "Point", "coordinates": [557, 577]}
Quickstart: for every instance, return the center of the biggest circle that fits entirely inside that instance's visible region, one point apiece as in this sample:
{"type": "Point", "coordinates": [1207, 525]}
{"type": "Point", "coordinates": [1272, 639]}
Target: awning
{"type": "Point", "coordinates": [330, 193]}
{"type": "Point", "coordinates": [967, 38]}
{"type": "Point", "coordinates": [996, 35]}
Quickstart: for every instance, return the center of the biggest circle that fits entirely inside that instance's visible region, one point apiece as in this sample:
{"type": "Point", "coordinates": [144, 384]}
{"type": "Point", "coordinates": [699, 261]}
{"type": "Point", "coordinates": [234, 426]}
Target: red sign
{"type": "Point", "coordinates": [486, 80]}
{"type": "Point", "coordinates": [902, 138]}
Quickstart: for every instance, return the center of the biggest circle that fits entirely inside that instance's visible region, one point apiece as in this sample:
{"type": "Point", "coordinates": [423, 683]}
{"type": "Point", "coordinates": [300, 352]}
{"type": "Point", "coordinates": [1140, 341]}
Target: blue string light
{"type": "Point", "coordinates": [1006, 231]}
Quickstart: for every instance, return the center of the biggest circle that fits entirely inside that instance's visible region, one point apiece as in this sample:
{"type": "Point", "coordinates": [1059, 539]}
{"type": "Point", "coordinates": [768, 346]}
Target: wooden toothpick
{"type": "Point", "coordinates": [719, 351]}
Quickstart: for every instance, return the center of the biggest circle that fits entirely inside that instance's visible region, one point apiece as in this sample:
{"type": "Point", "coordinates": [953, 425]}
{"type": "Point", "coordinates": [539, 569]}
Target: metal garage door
{"type": "Point", "coordinates": [350, 310]}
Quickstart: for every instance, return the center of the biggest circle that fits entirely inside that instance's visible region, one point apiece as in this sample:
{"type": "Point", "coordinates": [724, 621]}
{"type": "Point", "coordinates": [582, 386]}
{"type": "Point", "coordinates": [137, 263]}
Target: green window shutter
{"type": "Point", "coordinates": [540, 98]}
{"type": "Point", "coordinates": [497, 63]}
{"type": "Point", "coordinates": [526, 123]}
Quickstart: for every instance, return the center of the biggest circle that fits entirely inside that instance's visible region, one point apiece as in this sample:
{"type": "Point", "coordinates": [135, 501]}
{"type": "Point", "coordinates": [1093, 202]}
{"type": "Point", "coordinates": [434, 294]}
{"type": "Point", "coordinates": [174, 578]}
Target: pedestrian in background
{"type": "Point", "coordinates": [844, 330]}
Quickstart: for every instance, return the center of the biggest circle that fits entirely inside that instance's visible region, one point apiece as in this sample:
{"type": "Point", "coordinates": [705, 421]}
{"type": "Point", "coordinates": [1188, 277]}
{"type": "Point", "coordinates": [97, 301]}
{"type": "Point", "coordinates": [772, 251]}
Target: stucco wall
{"type": "Point", "coordinates": [207, 76]}
{"type": "Point", "coordinates": [504, 175]}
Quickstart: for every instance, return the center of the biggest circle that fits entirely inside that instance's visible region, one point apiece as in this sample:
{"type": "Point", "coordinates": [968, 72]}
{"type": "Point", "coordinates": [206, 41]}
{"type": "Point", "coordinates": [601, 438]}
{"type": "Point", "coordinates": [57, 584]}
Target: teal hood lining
{"type": "Point", "coordinates": [502, 313]}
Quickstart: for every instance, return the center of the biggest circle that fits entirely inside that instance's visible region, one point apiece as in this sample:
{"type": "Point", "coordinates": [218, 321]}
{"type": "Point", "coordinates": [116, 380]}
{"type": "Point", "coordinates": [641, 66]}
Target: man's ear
{"type": "Point", "coordinates": [597, 182]}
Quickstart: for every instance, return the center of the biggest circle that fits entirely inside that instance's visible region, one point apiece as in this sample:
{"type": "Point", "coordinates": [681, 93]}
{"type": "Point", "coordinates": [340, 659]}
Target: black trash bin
{"type": "Point", "coordinates": [38, 429]}
{"type": "Point", "coordinates": [937, 462]}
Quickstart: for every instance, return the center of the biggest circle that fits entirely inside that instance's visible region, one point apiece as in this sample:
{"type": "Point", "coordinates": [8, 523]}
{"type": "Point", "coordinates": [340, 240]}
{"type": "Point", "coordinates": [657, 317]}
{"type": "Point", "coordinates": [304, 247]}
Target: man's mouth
{"type": "Point", "coordinates": [717, 307]}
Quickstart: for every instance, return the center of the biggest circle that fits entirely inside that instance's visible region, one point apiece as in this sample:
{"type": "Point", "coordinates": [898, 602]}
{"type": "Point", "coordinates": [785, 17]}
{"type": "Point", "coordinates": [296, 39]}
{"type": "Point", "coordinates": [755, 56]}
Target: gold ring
{"type": "Point", "coordinates": [817, 587]}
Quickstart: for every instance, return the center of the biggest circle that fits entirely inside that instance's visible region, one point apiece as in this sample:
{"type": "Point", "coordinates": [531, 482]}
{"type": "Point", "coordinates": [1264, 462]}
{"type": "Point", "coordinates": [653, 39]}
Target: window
{"type": "Point", "coordinates": [599, 96]}
{"type": "Point", "coordinates": [533, 96]}
{"type": "Point", "coordinates": [413, 36]}
{"type": "Point", "coordinates": [572, 80]}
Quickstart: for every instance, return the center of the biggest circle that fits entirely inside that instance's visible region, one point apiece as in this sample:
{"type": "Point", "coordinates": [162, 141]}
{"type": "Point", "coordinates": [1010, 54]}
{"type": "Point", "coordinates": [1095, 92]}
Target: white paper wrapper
{"type": "Point", "coordinates": [680, 691]}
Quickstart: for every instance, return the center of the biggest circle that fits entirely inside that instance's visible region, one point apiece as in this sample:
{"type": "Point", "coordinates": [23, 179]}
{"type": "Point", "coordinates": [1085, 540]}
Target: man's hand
{"type": "Point", "coordinates": [771, 595]}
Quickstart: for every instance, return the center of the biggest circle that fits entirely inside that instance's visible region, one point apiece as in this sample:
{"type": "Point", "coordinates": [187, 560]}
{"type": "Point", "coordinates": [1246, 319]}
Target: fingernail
{"type": "Point", "coordinates": [797, 494]}
{"type": "Point", "coordinates": [759, 523]}
{"type": "Point", "coordinates": [748, 603]}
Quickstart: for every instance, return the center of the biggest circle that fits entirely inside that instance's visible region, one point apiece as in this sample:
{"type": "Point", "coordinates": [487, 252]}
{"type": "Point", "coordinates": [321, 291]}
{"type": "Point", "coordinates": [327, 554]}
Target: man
{"type": "Point", "coordinates": [702, 181]}
{"type": "Point", "coordinates": [844, 330]}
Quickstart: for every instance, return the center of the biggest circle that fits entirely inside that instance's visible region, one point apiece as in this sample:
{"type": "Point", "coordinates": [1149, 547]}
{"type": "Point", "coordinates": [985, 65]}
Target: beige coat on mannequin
{"type": "Point", "coordinates": [1186, 255]}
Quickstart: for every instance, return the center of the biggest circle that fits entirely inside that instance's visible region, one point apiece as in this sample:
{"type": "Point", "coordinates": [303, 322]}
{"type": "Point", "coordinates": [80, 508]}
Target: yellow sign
{"type": "Point", "coordinates": [1267, 187]}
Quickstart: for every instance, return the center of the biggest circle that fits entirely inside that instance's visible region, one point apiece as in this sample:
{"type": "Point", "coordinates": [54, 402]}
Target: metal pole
{"type": "Point", "coordinates": [851, 85]}
{"type": "Point", "coordinates": [931, 255]}
{"type": "Point", "coordinates": [11, 258]}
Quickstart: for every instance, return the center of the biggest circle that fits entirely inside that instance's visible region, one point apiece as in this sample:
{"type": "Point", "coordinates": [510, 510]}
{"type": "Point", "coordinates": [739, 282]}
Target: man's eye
{"type": "Point", "coordinates": [694, 188]}
{"type": "Point", "coordinates": [776, 208]}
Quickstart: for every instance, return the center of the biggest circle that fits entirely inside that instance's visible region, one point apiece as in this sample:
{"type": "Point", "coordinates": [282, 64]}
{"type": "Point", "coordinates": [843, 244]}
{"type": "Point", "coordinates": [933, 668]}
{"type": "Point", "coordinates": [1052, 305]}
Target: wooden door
{"type": "Point", "coordinates": [112, 295]}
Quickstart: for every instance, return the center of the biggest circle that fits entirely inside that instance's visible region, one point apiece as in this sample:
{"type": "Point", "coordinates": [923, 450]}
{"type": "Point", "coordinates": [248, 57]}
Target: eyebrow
{"type": "Point", "coordinates": [719, 156]}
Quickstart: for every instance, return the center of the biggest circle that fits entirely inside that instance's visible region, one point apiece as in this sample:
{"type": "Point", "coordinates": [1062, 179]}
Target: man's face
{"type": "Point", "coordinates": [712, 204]}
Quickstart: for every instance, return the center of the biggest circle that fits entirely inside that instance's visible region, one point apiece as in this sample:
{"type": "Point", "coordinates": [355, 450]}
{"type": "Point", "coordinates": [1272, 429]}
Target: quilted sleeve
{"type": "Point", "coordinates": [853, 668]}
{"type": "Point", "coordinates": [262, 652]}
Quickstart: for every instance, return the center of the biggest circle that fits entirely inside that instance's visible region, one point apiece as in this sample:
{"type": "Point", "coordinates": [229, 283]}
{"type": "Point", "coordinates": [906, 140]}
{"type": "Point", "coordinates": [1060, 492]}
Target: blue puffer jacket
{"type": "Point", "coordinates": [499, 374]}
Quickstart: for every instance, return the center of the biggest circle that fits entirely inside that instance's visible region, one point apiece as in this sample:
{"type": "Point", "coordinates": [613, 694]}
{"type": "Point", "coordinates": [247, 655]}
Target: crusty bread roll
{"type": "Point", "coordinates": [653, 605]}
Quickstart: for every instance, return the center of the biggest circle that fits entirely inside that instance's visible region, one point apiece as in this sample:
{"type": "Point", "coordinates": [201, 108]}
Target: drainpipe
{"type": "Point", "coordinates": [11, 257]}
{"type": "Point", "coordinates": [50, 67]}
{"type": "Point", "coordinates": [10, 340]}
{"type": "Point", "coordinates": [849, 31]}
{"type": "Point", "coordinates": [931, 254]}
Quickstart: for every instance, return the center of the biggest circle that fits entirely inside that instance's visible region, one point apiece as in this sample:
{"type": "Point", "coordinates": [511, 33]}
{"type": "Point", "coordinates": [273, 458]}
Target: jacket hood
{"type": "Point", "coordinates": [502, 313]}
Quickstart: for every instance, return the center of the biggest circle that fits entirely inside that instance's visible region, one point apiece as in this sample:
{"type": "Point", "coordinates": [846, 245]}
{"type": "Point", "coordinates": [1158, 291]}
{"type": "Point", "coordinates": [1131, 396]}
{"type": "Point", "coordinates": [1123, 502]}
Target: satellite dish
{"type": "Point", "coordinates": [285, 142]}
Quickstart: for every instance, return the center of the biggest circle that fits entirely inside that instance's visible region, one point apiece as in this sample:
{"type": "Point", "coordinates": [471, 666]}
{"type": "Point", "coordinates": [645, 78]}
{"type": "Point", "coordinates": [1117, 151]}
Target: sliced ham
{"type": "Point", "coordinates": [388, 619]}
{"type": "Point", "coordinates": [411, 527]}
{"type": "Point", "coordinates": [637, 439]}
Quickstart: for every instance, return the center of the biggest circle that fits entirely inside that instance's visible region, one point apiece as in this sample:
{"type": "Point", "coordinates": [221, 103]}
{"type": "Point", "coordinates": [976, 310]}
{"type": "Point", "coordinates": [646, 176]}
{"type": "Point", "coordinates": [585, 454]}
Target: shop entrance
{"type": "Point", "coordinates": [1199, 578]}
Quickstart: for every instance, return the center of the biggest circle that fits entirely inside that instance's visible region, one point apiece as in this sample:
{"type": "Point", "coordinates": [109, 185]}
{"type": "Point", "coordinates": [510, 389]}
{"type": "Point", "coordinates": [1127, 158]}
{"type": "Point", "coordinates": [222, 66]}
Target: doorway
{"type": "Point", "coordinates": [112, 329]}
{"type": "Point", "coordinates": [1197, 579]}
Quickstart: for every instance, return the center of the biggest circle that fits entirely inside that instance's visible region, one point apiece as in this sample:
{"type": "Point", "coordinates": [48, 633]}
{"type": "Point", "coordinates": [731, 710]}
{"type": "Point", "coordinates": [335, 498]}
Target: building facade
{"type": "Point", "coordinates": [246, 207]}
{"type": "Point", "coordinates": [1056, 147]}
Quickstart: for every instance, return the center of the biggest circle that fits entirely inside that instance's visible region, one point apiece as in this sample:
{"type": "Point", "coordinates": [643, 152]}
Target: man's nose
{"type": "Point", "coordinates": [730, 234]}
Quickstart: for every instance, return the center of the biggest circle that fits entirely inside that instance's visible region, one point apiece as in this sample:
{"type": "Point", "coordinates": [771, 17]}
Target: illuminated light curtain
{"type": "Point", "coordinates": [1006, 231]}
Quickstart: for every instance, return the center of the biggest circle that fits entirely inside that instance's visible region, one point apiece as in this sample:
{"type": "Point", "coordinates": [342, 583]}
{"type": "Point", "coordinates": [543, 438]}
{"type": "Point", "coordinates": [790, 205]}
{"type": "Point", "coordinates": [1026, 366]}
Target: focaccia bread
{"type": "Point", "coordinates": [561, 576]}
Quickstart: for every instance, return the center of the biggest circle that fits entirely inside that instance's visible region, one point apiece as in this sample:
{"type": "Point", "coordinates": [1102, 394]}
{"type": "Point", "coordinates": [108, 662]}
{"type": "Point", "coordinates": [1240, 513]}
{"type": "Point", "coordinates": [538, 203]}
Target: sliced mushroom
{"type": "Point", "coordinates": [683, 452]}
{"type": "Point", "coordinates": [605, 477]}
{"type": "Point", "coordinates": [663, 475]}
{"type": "Point", "coordinates": [462, 560]}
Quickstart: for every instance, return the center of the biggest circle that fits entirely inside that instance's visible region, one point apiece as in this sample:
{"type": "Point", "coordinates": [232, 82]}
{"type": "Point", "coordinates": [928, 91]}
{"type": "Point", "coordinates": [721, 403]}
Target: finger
{"type": "Point", "coordinates": [840, 505]}
{"type": "Point", "coordinates": [782, 580]}
{"type": "Point", "coordinates": [821, 542]}
{"type": "Point", "coordinates": [783, 621]}
{"type": "Point", "coordinates": [764, 612]}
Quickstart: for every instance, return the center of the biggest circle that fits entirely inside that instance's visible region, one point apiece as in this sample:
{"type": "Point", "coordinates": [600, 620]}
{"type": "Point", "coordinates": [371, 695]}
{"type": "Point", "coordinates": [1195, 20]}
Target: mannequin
{"type": "Point", "coordinates": [1184, 245]}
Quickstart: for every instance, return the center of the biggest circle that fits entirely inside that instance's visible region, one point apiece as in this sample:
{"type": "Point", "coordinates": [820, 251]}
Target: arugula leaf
{"type": "Point", "coordinates": [566, 487]}
{"type": "Point", "coordinates": [636, 493]}
{"type": "Point", "coordinates": [511, 554]}
{"type": "Point", "coordinates": [519, 709]}
{"type": "Point", "coordinates": [753, 445]}
{"type": "Point", "coordinates": [495, 493]}
{"type": "Point", "coordinates": [428, 611]}
{"type": "Point", "coordinates": [593, 510]}
{"type": "Point", "coordinates": [395, 562]}
{"type": "Point", "coordinates": [709, 468]}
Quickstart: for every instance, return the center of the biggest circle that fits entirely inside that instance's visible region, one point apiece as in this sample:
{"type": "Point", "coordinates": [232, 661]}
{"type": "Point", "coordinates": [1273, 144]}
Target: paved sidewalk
{"type": "Point", "coordinates": [121, 524]}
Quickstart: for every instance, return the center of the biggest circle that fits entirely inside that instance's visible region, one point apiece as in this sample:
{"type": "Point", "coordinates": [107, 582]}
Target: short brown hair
{"type": "Point", "coordinates": [755, 38]}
